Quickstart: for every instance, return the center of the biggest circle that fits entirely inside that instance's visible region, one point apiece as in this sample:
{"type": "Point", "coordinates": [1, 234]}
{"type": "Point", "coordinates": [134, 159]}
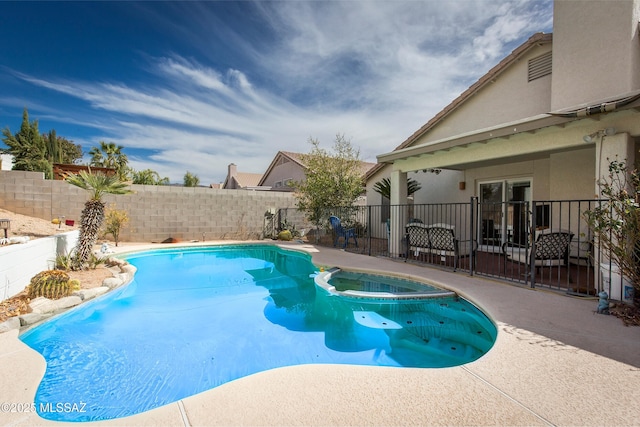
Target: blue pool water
{"type": "Point", "coordinates": [193, 319]}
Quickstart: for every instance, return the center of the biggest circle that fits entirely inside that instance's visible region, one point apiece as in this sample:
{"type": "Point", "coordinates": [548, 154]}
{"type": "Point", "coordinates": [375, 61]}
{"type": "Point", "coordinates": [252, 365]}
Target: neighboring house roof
{"type": "Point", "coordinates": [294, 157]}
{"type": "Point", "coordinates": [533, 41]}
{"type": "Point", "coordinates": [282, 155]}
{"type": "Point", "coordinates": [365, 167]}
{"type": "Point", "coordinates": [240, 180]}
{"type": "Point", "coordinates": [246, 179]}
{"type": "Point", "coordinates": [297, 159]}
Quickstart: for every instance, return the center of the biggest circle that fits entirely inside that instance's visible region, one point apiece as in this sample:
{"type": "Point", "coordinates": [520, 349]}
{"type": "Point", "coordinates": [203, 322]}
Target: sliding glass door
{"type": "Point", "coordinates": [504, 211]}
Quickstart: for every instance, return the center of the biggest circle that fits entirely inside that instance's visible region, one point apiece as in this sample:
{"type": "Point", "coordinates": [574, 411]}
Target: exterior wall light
{"type": "Point", "coordinates": [600, 133]}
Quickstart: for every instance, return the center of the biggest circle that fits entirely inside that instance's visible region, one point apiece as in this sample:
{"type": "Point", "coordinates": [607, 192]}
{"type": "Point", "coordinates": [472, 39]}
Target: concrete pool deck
{"type": "Point", "coordinates": [555, 362]}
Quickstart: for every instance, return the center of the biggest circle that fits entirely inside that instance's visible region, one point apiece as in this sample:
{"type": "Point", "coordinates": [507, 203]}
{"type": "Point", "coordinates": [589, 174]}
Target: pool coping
{"type": "Point", "coordinates": [322, 280]}
{"type": "Point", "coordinates": [544, 369]}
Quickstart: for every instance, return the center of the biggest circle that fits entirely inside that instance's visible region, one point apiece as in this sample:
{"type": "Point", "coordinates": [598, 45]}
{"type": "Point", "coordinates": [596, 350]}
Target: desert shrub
{"type": "Point", "coordinates": [95, 261]}
{"type": "Point", "coordinates": [63, 262]}
{"type": "Point", "coordinates": [52, 284]}
{"type": "Point", "coordinates": [114, 221]}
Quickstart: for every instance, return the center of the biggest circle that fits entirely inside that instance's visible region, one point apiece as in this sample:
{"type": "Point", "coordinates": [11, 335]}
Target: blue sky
{"type": "Point", "coordinates": [194, 86]}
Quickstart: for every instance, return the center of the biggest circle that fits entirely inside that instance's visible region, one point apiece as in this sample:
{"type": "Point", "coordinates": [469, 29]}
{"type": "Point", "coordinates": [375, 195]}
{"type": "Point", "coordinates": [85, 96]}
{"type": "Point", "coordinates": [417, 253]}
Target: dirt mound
{"type": "Point", "coordinates": [23, 225]}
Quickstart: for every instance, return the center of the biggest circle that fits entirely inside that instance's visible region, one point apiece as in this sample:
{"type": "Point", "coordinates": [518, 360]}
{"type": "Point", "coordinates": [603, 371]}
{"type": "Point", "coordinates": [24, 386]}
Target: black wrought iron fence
{"type": "Point", "coordinates": [541, 243]}
{"type": "Point", "coordinates": [538, 244]}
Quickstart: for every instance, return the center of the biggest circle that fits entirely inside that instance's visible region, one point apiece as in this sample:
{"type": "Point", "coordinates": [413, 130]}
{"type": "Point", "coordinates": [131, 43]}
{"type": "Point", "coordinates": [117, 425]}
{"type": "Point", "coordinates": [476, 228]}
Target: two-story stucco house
{"type": "Point", "coordinates": [540, 125]}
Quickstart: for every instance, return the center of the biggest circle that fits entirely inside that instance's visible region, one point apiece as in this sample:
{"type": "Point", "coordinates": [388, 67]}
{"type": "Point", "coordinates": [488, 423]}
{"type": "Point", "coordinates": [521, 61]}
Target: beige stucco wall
{"type": "Point", "coordinates": [442, 187]}
{"type": "Point", "coordinates": [573, 174]}
{"type": "Point", "coordinates": [596, 50]}
{"type": "Point", "coordinates": [374, 198]}
{"type": "Point", "coordinates": [286, 171]}
{"type": "Point", "coordinates": [155, 212]}
{"type": "Point", "coordinates": [508, 98]}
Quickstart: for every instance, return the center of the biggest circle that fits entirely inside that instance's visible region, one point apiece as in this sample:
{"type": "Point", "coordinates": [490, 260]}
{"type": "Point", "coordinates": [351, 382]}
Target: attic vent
{"type": "Point", "coordinates": [540, 66]}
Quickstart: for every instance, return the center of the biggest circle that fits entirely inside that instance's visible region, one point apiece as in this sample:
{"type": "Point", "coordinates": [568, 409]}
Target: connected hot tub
{"type": "Point", "coordinates": [355, 284]}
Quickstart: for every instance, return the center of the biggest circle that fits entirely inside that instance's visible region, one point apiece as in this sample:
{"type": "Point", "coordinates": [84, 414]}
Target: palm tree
{"type": "Point", "coordinates": [92, 215]}
{"type": "Point", "coordinates": [148, 177]}
{"type": "Point", "coordinates": [384, 187]}
{"type": "Point", "coordinates": [110, 155]}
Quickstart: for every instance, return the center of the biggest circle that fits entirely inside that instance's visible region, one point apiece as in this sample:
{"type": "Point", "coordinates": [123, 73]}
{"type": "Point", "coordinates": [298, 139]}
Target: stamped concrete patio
{"type": "Point", "coordinates": [543, 370]}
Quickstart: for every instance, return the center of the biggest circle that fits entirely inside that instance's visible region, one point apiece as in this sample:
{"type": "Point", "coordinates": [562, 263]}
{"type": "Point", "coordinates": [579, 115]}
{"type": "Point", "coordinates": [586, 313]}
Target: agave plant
{"type": "Point", "coordinates": [92, 215]}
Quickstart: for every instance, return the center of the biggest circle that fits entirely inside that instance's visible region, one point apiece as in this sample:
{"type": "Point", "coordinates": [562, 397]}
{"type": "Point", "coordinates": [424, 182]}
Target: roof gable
{"type": "Point", "coordinates": [534, 41]}
{"type": "Point", "coordinates": [501, 67]}
{"type": "Point", "coordinates": [280, 157]}
{"type": "Point", "coordinates": [297, 159]}
{"type": "Point", "coordinates": [237, 180]}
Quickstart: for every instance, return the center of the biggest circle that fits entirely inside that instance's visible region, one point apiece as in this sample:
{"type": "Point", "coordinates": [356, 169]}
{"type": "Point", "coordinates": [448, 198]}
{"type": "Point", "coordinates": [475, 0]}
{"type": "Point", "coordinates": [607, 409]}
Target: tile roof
{"type": "Point", "coordinates": [248, 179]}
{"type": "Point", "coordinates": [297, 158]}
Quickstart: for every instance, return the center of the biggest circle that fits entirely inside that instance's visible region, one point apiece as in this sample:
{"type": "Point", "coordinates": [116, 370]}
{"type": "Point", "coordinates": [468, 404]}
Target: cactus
{"type": "Point", "coordinates": [52, 284]}
{"type": "Point", "coordinates": [285, 235]}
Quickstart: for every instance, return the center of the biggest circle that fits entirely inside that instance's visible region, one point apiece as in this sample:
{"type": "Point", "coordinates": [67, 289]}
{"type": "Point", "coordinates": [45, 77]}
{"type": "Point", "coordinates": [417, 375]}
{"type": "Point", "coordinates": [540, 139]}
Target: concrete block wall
{"type": "Point", "coordinates": [155, 212]}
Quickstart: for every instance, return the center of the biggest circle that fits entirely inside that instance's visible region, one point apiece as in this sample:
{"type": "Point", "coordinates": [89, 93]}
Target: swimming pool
{"type": "Point", "coordinates": [196, 318]}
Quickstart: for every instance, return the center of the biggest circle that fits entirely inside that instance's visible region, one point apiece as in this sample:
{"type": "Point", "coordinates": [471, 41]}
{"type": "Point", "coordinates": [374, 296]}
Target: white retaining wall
{"type": "Point", "coordinates": [20, 262]}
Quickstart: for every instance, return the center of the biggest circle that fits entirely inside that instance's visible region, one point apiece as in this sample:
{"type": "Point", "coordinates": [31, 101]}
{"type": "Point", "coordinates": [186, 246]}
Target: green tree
{"type": "Point", "coordinates": [616, 222]}
{"type": "Point", "coordinates": [61, 150]}
{"type": "Point", "coordinates": [332, 179]}
{"type": "Point", "coordinates": [92, 215]}
{"type": "Point", "coordinates": [191, 180]}
{"type": "Point", "coordinates": [383, 187]}
{"type": "Point", "coordinates": [148, 177]}
{"type": "Point", "coordinates": [33, 151]}
{"type": "Point", "coordinates": [27, 147]}
{"type": "Point", "coordinates": [110, 155]}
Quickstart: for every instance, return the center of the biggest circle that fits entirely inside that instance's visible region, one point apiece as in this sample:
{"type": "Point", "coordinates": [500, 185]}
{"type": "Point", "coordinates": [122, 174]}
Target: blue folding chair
{"type": "Point", "coordinates": [340, 231]}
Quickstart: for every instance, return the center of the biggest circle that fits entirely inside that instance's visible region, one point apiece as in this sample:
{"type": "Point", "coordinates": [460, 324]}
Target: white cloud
{"type": "Point", "coordinates": [375, 71]}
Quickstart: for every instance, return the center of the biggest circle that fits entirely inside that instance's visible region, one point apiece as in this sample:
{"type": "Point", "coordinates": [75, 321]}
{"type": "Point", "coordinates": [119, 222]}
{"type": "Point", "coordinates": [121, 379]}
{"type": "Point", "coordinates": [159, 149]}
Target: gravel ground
{"type": "Point", "coordinates": [22, 225]}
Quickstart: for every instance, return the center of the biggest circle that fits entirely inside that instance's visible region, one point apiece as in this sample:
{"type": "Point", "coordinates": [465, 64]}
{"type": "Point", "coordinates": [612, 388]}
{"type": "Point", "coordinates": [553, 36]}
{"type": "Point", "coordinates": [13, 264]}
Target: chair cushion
{"type": "Point", "coordinates": [553, 245]}
{"type": "Point", "coordinates": [441, 238]}
{"type": "Point", "coordinates": [417, 235]}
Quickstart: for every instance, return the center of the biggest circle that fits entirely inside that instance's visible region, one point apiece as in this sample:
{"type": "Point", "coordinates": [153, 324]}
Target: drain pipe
{"type": "Point", "coordinates": [604, 107]}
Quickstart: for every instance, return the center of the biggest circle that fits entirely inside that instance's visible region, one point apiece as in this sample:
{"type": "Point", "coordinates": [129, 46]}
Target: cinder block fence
{"type": "Point", "coordinates": [155, 212]}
